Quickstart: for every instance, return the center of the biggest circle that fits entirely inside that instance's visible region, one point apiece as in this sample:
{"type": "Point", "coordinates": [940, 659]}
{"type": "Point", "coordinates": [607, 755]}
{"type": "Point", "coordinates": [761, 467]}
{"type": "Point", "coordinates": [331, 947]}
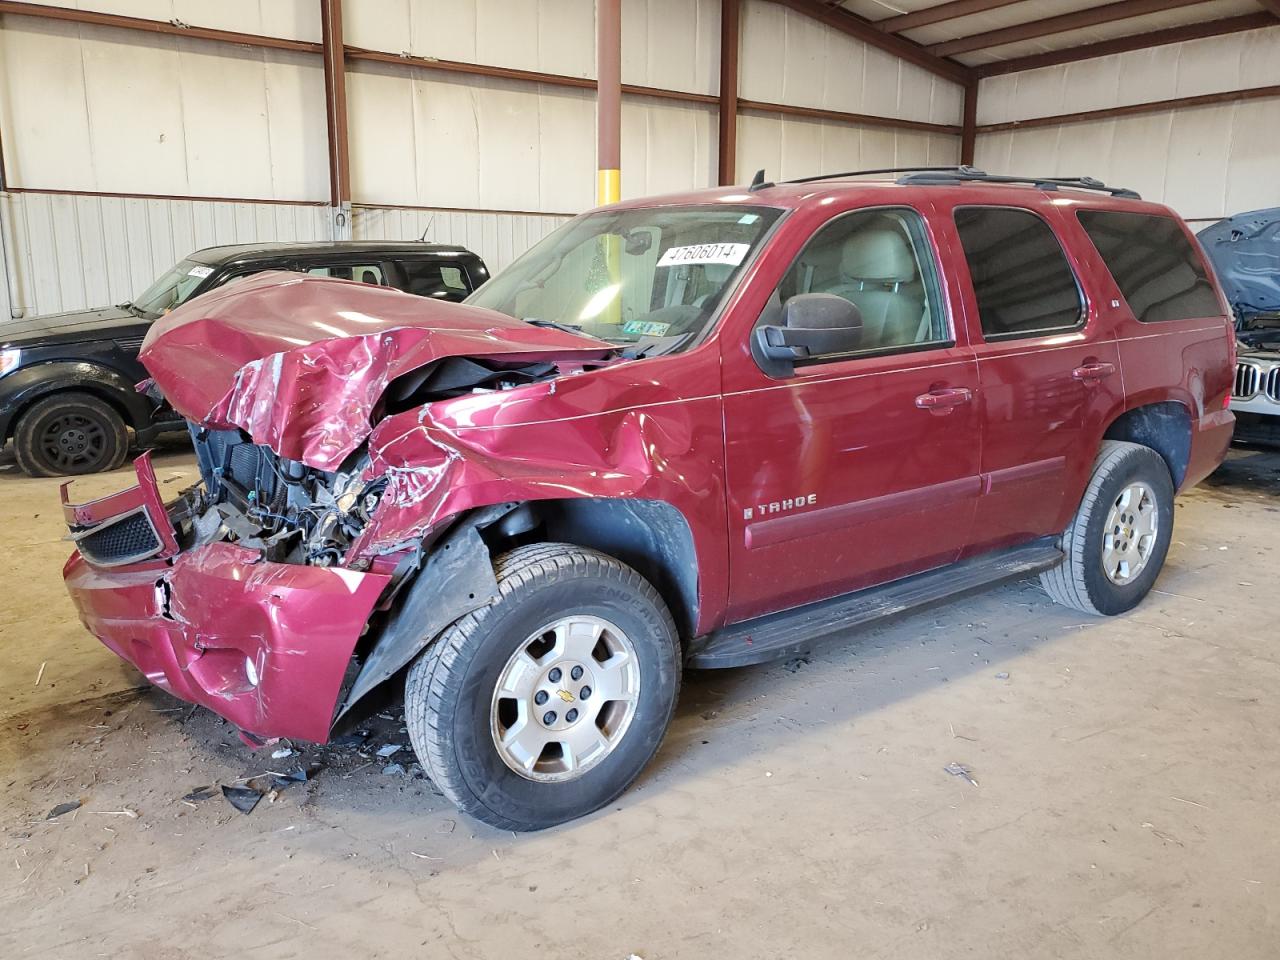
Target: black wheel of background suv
{"type": "Point", "coordinates": [1118, 539]}
{"type": "Point", "coordinates": [545, 705]}
{"type": "Point", "coordinates": [69, 434]}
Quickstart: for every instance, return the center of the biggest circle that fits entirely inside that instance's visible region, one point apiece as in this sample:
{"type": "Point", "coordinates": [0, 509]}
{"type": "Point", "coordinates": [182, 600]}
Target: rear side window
{"type": "Point", "coordinates": [427, 278]}
{"type": "Point", "coordinates": [1160, 274]}
{"type": "Point", "coordinates": [364, 273]}
{"type": "Point", "coordinates": [1021, 278]}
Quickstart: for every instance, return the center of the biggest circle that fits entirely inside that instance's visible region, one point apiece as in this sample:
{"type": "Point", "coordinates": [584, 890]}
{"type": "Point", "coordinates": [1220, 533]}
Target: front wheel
{"type": "Point", "coordinates": [545, 705]}
{"type": "Point", "coordinates": [1117, 541]}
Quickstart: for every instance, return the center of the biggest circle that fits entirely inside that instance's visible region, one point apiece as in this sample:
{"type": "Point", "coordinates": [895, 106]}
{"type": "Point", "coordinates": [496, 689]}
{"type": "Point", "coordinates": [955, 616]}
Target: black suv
{"type": "Point", "coordinates": [67, 394]}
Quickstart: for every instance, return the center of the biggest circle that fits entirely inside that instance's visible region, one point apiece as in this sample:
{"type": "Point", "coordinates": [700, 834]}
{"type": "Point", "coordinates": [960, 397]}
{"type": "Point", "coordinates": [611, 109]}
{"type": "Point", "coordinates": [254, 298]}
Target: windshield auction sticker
{"type": "Point", "coordinates": [200, 272]}
{"type": "Point", "coordinates": [730, 253]}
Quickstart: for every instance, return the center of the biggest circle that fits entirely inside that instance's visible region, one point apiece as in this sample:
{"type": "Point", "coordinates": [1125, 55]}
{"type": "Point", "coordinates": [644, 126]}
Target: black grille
{"type": "Point", "coordinates": [127, 540]}
{"type": "Point", "coordinates": [1248, 377]}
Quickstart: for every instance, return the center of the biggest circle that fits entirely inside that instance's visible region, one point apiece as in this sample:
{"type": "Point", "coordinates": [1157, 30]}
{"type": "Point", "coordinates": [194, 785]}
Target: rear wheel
{"type": "Point", "coordinates": [1118, 539]}
{"type": "Point", "coordinates": [546, 704]}
{"type": "Point", "coordinates": [70, 434]}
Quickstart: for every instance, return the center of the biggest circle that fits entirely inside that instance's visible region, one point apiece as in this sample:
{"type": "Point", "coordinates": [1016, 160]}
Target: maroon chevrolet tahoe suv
{"type": "Point", "coordinates": [704, 430]}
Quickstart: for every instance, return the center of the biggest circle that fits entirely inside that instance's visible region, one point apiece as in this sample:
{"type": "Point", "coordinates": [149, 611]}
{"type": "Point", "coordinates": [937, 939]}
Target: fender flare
{"type": "Point", "coordinates": [456, 579]}
{"type": "Point", "coordinates": [27, 385]}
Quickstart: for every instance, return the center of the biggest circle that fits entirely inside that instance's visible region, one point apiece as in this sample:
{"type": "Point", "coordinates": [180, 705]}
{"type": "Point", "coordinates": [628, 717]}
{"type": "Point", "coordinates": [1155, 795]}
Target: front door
{"type": "Point", "coordinates": [860, 467]}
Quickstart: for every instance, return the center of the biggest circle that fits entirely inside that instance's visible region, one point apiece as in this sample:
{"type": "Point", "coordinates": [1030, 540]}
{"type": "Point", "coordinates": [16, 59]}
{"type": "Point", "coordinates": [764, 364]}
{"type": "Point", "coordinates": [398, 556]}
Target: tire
{"type": "Point", "coordinates": [456, 719]}
{"type": "Point", "coordinates": [1081, 580]}
{"type": "Point", "coordinates": [70, 434]}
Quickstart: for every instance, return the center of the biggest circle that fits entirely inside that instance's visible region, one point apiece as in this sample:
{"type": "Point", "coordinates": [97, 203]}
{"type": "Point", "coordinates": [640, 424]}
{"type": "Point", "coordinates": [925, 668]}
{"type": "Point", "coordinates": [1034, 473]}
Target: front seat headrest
{"type": "Point", "coordinates": [880, 254]}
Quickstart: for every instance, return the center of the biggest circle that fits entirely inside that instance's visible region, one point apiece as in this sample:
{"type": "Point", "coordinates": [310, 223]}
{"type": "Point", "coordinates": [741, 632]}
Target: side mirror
{"type": "Point", "coordinates": [813, 324]}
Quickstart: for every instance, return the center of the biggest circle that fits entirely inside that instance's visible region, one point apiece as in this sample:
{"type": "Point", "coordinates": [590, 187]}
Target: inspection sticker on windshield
{"type": "Point", "coordinates": [730, 253]}
{"type": "Point", "coordinates": [646, 328]}
{"type": "Point", "coordinates": [200, 272]}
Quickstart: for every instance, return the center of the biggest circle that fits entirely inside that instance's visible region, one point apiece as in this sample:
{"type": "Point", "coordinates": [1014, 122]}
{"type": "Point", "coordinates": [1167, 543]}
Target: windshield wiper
{"type": "Point", "coordinates": [656, 346]}
{"type": "Point", "coordinates": [555, 325]}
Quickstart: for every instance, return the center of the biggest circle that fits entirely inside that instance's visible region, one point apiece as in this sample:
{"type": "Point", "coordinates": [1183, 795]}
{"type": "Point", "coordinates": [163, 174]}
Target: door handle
{"type": "Point", "coordinates": [942, 400]}
{"type": "Point", "coordinates": [1093, 372]}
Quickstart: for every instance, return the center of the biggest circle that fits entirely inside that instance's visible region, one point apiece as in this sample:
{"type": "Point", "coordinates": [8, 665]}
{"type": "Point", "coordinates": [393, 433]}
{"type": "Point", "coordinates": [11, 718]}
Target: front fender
{"type": "Point", "coordinates": [668, 452]}
{"type": "Point", "coordinates": [26, 385]}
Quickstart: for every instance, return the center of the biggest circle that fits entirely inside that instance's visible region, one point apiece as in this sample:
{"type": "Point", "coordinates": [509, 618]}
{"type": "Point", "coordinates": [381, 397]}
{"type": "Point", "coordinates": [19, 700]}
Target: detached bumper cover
{"type": "Point", "coordinates": [265, 645]}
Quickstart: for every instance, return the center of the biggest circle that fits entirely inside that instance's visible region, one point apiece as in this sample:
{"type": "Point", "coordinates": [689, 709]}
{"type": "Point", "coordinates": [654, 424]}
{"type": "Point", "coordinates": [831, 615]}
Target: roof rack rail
{"type": "Point", "coordinates": [864, 173]}
{"type": "Point", "coordinates": [972, 174]}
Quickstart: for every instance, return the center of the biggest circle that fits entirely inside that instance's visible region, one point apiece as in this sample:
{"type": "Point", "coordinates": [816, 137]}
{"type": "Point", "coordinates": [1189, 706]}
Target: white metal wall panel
{"type": "Point", "coordinates": [788, 147]}
{"type": "Point", "coordinates": [219, 120]}
{"type": "Point", "coordinates": [422, 139]}
{"type": "Point", "coordinates": [790, 58]}
{"type": "Point", "coordinates": [1212, 65]}
{"type": "Point", "coordinates": [1206, 162]}
{"type": "Point", "coordinates": [498, 237]}
{"type": "Point", "coordinates": [291, 19]}
{"type": "Point", "coordinates": [66, 252]}
{"type": "Point", "coordinates": [666, 147]}
{"type": "Point", "coordinates": [671, 43]}
{"type": "Point", "coordinates": [665, 43]}
{"type": "Point", "coordinates": [551, 36]}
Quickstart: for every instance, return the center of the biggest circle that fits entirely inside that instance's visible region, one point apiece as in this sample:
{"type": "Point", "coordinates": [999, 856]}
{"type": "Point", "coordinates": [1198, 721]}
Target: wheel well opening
{"type": "Point", "coordinates": [114, 402]}
{"type": "Point", "coordinates": [1164, 427]}
{"type": "Point", "coordinates": [649, 536]}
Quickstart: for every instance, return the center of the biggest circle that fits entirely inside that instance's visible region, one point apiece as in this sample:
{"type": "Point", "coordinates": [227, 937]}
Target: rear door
{"type": "Point", "coordinates": [862, 467]}
{"type": "Point", "coordinates": [1048, 366]}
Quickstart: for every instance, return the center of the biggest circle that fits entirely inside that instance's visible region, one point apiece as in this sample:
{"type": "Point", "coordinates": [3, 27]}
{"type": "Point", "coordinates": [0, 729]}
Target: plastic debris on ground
{"type": "Point", "coordinates": [393, 769]}
{"type": "Point", "coordinates": [245, 798]}
{"type": "Point", "coordinates": [389, 750]}
{"type": "Point", "coordinates": [960, 770]}
{"type": "Point", "coordinates": [63, 808]}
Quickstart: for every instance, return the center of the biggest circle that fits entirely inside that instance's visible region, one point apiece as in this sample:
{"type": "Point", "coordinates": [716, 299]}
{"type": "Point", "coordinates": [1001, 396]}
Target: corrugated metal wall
{"type": "Point", "coordinates": [790, 58]}
{"type": "Point", "coordinates": [107, 111]}
{"type": "Point", "coordinates": [1205, 162]}
{"type": "Point", "coordinates": [68, 252]}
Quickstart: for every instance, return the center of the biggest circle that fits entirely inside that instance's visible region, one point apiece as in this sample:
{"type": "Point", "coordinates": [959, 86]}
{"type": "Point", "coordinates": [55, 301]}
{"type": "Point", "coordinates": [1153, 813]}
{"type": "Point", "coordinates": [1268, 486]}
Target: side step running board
{"type": "Point", "coordinates": [792, 632]}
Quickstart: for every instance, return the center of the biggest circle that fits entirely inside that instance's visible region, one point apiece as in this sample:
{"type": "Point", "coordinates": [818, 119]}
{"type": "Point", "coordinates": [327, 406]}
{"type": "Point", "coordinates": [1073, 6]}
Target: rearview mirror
{"type": "Point", "coordinates": [813, 325]}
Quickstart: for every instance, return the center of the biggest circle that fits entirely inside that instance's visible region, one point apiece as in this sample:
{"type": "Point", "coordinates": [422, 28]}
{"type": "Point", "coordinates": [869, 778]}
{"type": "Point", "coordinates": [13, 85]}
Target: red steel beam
{"type": "Point", "coordinates": [527, 76]}
{"type": "Point", "coordinates": [730, 44]}
{"type": "Point", "coordinates": [840, 116]}
{"type": "Point", "coordinates": [939, 14]}
{"type": "Point", "coordinates": [1137, 41]}
{"type": "Point", "coordinates": [1092, 17]}
{"type": "Point", "coordinates": [335, 102]}
{"type": "Point", "coordinates": [838, 18]}
{"type": "Point", "coordinates": [1136, 109]}
{"type": "Point", "coordinates": [969, 125]}
{"type": "Point", "coordinates": [154, 26]}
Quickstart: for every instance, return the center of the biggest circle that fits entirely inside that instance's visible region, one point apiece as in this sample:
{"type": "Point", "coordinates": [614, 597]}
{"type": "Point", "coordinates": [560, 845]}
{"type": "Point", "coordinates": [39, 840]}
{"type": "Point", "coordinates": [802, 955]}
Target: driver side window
{"type": "Point", "coordinates": [879, 261]}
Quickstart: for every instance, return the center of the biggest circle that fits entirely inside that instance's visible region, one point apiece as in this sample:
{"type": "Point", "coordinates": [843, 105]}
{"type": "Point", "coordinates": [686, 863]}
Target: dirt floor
{"type": "Point", "coordinates": [1123, 797]}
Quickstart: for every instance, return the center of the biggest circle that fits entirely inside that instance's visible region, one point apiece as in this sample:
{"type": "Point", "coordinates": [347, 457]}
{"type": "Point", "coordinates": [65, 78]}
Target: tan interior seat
{"type": "Point", "coordinates": [878, 274]}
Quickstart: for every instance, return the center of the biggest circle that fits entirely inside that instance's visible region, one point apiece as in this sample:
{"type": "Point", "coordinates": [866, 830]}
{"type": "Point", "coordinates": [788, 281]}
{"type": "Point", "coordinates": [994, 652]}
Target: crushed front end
{"type": "Point", "coordinates": [228, 597]}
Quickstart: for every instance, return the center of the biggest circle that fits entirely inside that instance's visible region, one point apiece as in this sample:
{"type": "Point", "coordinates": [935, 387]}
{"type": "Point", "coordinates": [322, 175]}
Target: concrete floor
{"type": "Point", "coordinates": [1124, 805]}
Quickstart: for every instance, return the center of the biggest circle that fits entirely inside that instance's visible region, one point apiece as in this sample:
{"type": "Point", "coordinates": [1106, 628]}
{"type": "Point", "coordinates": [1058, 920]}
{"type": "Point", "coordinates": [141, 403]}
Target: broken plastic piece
{"type": "Point", "coordinates": [243, 799]}
{"type": "Point", "coordinates": [960, 770]}
{"type": "Point", "coordinates": [62, 808]}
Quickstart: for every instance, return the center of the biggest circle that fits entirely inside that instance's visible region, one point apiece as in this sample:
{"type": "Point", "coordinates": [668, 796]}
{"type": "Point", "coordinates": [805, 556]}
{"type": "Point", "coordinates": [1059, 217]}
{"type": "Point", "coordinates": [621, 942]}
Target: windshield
{"type": "Point", "coordinates": [655, 274]}
{"type": "Point", "coordinates": [172, 288]}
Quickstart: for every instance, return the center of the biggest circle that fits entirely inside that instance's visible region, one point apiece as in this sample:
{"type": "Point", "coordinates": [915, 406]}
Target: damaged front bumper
{"type": "Point", "coordinates": [264, 645]}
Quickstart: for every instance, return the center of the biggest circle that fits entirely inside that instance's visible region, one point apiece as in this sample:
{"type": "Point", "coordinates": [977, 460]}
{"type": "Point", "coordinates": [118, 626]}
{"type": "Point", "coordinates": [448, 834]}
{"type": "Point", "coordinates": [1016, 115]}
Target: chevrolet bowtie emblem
{"type": "Point", "coordinates": [565, 695]}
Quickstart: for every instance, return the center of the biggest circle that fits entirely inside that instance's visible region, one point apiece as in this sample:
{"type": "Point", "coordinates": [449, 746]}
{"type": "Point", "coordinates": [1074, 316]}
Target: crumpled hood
{"type": "Point", "coordinates": [299, 363]}
{"type": "Point", "coordinates": [1245, 253]}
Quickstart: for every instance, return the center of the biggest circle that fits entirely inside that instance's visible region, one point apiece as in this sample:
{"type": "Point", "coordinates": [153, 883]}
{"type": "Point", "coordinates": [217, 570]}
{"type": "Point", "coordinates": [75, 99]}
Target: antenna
{"type": "Point", "coordinates": [758, 182]}
{"type": "Point", "coordinates": [427, 229]}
